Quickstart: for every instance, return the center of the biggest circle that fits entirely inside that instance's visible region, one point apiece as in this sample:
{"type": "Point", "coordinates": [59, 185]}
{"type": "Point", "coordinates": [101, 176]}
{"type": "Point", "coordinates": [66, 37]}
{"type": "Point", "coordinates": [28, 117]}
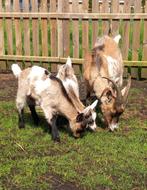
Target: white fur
{"type": "Point", "coordinates": [117, 38]}
{"type": "Point", "coordinates": [16, 70]}
{"type": "Point", "coordinates": [113, 67]}
{"type": "Point", "coordinates": [92, 106]}
{"type": "Point", "coordinates": [41, 85]}
{"type": "Point", "coordinates": [36, 73]}
{"type": "Point", "coordinates": [93, 126]}
{"type": "Point", "coordinates": [69, 62]}
{"type": "Point", "coordinates": [69, 82]}
{"type": "Point", "coordinates": [114, 126]}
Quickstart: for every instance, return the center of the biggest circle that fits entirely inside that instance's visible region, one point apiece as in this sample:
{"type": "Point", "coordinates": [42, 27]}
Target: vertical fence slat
{"type": "Point", "coordinates": [66, 30]}
{"type": "Point", "coordinates": [136, 30]}
{"type": "Point", "coordinates": [44, 31]}
{"type": "Point", "coordinates": [75, 9]}
{"type": "Point", "coordinates": [1, 32]}
{"type": "Point", "coordinates": [136, 37]}
{"type": "Point", "coordinates": [53, 24]}
{"type": "Point", "coordinates": [26, 29]}
{"type": "Point", "coordinates": [60, 30]}
{"type": "Point", "coordinates": [145, 36]}
{"type": "Point", "coordinates": [105, 9]}
{"type": "Point", "coordinates": [126, 30]}
{"type": "Point", "coordinates": [144, 71]}
{"type": "Point", "coordinates": [9, 29]}
{"type": "Point", "coordinates": [85, 33]}
{"type": "Point", "coordinates": [75, 34]}
{"type": "Point", "coordinates": [95, 6]}
{"type": "Point", "coordinates": [35, 29]}
{"type": "Point", "coordinates": [115, 9]}
{"type": "Point", "coordinates": [53, 27]}
{"type": "Point", "coordinates": [17, 25]}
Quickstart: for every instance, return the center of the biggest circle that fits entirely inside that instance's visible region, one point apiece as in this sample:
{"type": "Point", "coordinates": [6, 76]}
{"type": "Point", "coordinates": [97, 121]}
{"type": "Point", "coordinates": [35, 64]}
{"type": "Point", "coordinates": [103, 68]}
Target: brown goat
{"type": "Point", "coordinates": [103, 73]}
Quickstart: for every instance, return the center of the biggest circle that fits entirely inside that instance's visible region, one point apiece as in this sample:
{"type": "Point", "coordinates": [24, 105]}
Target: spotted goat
{"type": "Point", "coordinates": [37, 86]}
{"type": "Point", "coordinates": [103, 74]}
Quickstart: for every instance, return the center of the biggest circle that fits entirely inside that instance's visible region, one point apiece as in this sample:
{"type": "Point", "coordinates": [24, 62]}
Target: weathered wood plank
{"type": "Point", "coordinates": [60, 30]}
{"type": "Point", "coordinates": [1, 32]}
{"type": "Point", "coordinates": [105, 24]}
{"type": "Point", "coordinates": [95, 9]}
{"type": "Point", "coordinates": [75, 9]}
{"type": "Point", "coordinates": [44, 31]}
{"type": "Point", "coordinates": [126, 31]}
{"type": "Point", "coordinates": [66, 31]}
{"type": "Point", "coordinates": [85, 32]}
{"type": "Point", "coordinates": [26, 29]}
{"type": "Point", "coordinates": [75, 34]}
{"type": "Point", "coordinates": [63, 60]}
{"type": "Point", "coordinates": [144, 57]}
{"type": "Point", "coordinates": [17, 26]}
{"type": "Point", "coordinates": [35, 29]}
{"type": "Point", "coordinates": [136, 37]}
{"type": "Point", "coordinates": [9, 29]}
{"type": "Point", "coordinates": [66, 16]}
{"type": "Point", "coordinates": [53, 27]}
{"type": "Point", "coordinates": [115, 9]}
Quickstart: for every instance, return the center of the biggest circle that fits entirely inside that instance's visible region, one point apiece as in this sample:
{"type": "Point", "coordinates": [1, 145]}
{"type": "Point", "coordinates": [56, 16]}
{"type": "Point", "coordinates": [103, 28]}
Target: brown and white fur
{"type": "Point", "coordinates": [103, 73]}
{"type": "Point", "coordinates": [53, 98]}
{"type": "Point", "coordinates": [68, 77]}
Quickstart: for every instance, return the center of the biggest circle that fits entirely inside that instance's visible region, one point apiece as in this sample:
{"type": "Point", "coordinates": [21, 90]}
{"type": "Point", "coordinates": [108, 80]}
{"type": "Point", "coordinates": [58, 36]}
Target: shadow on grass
{"type": "Point", "coordinates": [62, 124]}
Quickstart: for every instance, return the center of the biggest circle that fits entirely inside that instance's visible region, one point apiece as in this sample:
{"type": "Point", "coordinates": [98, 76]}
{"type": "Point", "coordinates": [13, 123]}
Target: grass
{"type": "Point", "coordinates": [29, 159]}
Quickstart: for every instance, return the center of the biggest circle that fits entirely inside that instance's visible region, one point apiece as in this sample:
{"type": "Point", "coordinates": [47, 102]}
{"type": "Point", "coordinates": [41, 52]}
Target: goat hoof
{"type": "Point", "coordinates": [21, 126]}
{"type": "Point", "coordinates": [36, 122]}
{"type": "Point", "coordinates": [57, 139]}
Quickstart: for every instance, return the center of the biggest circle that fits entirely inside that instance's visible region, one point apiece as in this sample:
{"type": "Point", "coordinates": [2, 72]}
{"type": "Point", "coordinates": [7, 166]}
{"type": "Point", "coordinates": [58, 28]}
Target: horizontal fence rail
{"type": "Point", "coordinates": [46, 32]}
{"type": "Point", "coordinates": [77, 16]}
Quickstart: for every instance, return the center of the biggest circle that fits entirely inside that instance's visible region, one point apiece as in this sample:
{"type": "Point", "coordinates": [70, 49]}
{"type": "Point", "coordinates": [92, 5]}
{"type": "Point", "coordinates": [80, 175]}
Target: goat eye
{"type": "Point", "coordinates": [90, 122]}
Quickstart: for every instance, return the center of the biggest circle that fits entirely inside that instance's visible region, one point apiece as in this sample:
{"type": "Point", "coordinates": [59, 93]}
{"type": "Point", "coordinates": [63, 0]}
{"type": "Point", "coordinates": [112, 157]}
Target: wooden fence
{"type": "Point", "coordinates": [45, 32]}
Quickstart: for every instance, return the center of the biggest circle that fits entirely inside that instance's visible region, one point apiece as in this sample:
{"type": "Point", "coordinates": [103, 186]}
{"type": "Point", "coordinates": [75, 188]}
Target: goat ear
{"type": "Point", "coordinates": [69, 62]}
{"type": "Point", "coordinates": [93, 105]}
{"type": "Point", "coordinates": [80, 117]}
{"type": "Point", "coordinates": [99, 42]}
{"type": "Point", "coordinates": [117, 38]}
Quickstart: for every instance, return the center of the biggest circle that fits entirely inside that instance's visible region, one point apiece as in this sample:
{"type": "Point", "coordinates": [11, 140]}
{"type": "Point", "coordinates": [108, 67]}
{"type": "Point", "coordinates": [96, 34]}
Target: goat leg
{"type": "Point", "coordinates": [34, 114]}
{"type": "Point", "coordinates": [21, 123]}
{"type": "Point", "coordinates": [54, 129]}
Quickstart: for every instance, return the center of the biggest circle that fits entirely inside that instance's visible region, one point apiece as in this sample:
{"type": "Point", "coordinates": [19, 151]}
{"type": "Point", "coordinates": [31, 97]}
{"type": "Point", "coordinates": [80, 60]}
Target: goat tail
{"type": "Point", "coordinates": [16, 70]}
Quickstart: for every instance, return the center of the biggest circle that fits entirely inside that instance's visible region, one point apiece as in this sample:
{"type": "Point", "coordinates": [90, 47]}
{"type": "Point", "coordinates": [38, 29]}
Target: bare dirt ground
{"type": "Point", "coordinates": [137, 97]}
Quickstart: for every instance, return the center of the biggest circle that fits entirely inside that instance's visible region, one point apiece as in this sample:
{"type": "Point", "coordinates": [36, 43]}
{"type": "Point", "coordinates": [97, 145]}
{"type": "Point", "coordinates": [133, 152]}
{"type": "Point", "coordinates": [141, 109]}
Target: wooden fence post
{"type": "Point", "coordinates": [115, 9]}
{"type": "Point", "coordinates": [35, 29]}
{"type": "Point", "coordinates": [9, 29]}
{"type": "Point", "coordinates": [18, 32]}
{"type": "Point", "coordinates": [136, 38]}
{"type": "Point", "coordinates": [144, 71]}
{"type": "Point", "coordinates": [95, 6]}
{"type": "Point", "coordinates": [26, 27]}
{"type": "Point", "coordinates": [85, 32]}
{"type": "Point", "coordinates": [1, 32]}
{"type": "Point", "coordinates": [60, 30]}
{"type": "Point", "coordinates": [105, 9]}
{"type": "Point", "coordinates": [53, 27]}
{"type": "Point", "coordinates": [66, 30]}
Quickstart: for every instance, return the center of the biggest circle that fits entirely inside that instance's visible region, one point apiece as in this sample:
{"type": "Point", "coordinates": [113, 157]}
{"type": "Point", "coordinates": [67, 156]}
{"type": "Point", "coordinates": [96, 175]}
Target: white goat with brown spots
{"type": "Point", "coordinates": [103, 73]}
{"type": "Point", "coordinates": [36, 85]}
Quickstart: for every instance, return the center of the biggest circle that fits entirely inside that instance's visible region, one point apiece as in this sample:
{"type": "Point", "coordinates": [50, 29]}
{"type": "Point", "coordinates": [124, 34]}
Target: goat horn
{"type": "Point", "coordinates": [125, 96]}
{"type": "Point", "coordinates": [118, 91]}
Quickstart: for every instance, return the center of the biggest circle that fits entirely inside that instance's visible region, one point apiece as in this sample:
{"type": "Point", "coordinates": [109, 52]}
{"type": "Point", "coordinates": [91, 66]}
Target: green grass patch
{"type": "Point", "coordinates": [29, 158]}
